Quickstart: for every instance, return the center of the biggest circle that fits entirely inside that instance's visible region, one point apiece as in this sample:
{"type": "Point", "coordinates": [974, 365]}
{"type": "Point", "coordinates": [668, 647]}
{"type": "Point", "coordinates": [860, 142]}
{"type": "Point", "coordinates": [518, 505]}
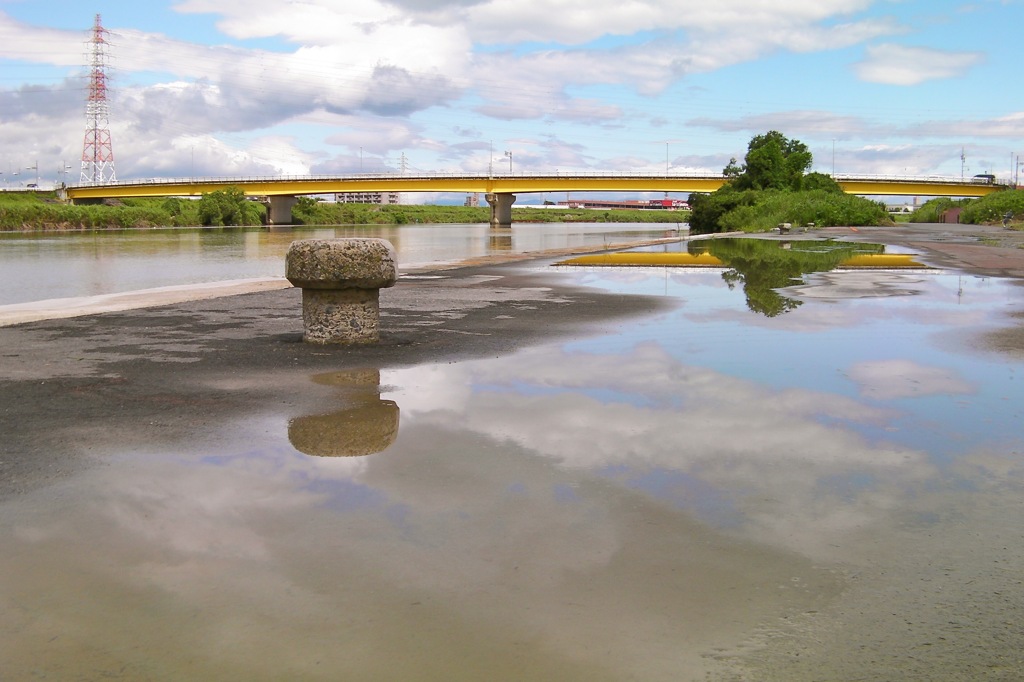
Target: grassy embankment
{"type": "Point", "coordinates": [762, 210]}
{"type": "Point", "coordinates": [43, 211]}
{"type": "Point", "coordinates": [987, 210]}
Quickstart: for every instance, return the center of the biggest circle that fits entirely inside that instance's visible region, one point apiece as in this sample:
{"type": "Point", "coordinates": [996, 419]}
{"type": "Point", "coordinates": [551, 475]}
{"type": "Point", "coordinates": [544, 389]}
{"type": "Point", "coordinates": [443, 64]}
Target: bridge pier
{"type": "Point", "coordinates": [281, 209]}
{"type": "Point", "coordinates": [501, 208]}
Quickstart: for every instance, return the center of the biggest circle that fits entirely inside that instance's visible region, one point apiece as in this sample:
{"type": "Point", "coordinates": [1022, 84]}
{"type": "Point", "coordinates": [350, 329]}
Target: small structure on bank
{"type": "Point", "coordinates": [341, 281]}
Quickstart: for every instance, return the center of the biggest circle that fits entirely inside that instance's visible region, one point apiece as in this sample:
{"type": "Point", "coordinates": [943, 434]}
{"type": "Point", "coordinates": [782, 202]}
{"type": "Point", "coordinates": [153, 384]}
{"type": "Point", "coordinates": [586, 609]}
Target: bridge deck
{"type": "Point", "coordinates": [504, 184]}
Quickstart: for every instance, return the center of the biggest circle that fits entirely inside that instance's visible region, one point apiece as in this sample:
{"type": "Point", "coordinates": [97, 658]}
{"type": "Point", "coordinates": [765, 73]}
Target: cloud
{"type": "Point", "coordinates": [902, 65]}
{"type": "Point", "coordinates": [1008, 126]}
{"type": "Point", "coordinates": [893, 379]}
{"type": "Point", "coordinates": [655, 413]}
{"type": "Point", "coordinates": [800, 122]}
{"type": "Point", "coordinates": [323, 64]}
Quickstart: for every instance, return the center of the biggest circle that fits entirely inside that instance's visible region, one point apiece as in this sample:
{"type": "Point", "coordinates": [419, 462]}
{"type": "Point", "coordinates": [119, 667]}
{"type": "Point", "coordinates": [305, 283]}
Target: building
{"type": "Point", "coordinates": [382, 198]}
{"type": "Point", "coordinates": [654, 204]}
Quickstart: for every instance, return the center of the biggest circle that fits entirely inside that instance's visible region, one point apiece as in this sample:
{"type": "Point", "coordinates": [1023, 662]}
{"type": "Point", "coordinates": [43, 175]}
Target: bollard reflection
{"type": "Point", "coordinates": [367, 425]}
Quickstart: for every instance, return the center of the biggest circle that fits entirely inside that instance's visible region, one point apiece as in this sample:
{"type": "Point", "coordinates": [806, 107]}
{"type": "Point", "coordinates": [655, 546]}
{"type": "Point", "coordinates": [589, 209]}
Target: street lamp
{"type": "Point", "coordinates": [34, 167]}
{"type": "Point", "coordinates": [509, 155]}
{"type": "Point", "coordinates": [63, 171]}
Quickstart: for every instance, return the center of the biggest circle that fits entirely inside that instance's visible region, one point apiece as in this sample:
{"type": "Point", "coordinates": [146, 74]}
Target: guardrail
{"type": "Point", "coordinates": [437, 175]}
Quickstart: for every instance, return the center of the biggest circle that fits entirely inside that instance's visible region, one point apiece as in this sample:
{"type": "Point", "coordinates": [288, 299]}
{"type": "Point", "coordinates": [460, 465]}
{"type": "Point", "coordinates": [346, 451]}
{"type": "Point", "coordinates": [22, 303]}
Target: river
{"type": "Point", "coordinates": [39, 266]}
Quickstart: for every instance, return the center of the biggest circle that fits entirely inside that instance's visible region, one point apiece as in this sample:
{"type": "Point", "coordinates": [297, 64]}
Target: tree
{"type": "Point", "coordinates": [229, 207]}
{"type": "Point", "coordinates": [813, 181]}
{"type": "Point", "coordinates": [732, 169]}
{"type": "Point", "coordinates": [773, 161]}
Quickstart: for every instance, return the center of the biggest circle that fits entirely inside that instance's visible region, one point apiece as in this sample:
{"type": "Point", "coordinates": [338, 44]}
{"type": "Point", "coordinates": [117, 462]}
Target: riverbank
{"type": "Point", "coordinates": [43, 211]}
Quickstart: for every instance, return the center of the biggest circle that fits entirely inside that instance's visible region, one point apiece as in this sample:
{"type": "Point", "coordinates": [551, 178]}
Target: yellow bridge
{"type": "Point", "coordinates": [500, 190]}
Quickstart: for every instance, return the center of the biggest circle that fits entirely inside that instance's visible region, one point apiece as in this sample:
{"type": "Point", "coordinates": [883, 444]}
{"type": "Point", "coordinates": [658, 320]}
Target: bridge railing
{"type": "Point", "coordinates": [938, 179]}
{"type": "Point", "coordinates": [396, 174]}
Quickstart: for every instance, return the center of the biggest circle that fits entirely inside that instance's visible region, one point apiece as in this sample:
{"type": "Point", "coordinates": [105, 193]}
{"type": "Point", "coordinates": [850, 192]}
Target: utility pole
{"type": "Point", "coordinates": [97, 150]}
{"type": "Point", "coordinates": [509, 155]}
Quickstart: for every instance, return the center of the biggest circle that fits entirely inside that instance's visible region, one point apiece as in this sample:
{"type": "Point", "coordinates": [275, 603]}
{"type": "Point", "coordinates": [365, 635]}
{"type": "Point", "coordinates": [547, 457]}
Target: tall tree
{"type": "Point", "coordinates": [773, 161]}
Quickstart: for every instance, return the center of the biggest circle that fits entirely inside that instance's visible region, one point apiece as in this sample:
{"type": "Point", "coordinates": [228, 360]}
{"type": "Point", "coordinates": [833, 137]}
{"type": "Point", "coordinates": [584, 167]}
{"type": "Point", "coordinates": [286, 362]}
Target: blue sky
{"type": "Point", "coordinates": [271, 87]}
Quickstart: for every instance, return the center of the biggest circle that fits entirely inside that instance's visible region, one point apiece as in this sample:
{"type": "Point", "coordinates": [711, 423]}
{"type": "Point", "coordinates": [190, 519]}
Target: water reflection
{"type": "Point", "coordinates": [110, 261]}
{"type": "Point", "coordinates": [500, 241]}
{"type": "Point", "coordinates": [763, 268]}
{"type": "Point", "coordinates": [624, 506]}
{"type": "Point", "coordinates": [771, 464]}
{"type": "Point", "coordinates": [365, 426]}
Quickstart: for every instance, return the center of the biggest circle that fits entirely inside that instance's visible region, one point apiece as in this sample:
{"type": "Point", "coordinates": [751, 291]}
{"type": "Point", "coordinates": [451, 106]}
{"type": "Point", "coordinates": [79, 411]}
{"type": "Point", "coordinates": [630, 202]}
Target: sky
{"type": "Point", "coordinates": [255, 88]}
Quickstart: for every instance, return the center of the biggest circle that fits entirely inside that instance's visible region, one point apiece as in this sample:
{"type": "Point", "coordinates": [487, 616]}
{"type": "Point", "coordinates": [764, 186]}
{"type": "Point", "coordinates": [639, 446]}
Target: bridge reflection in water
{"type": "Point", "coordinates": [762, 267]}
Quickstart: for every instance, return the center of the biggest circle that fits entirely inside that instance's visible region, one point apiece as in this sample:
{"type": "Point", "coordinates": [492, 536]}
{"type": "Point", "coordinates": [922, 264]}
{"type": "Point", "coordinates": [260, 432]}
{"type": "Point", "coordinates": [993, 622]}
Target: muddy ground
{"type": "Point", "coordinates": [70, 386]}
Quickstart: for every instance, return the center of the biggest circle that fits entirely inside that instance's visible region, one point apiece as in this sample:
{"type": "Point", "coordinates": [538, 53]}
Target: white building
{"type": "Point", "coordinates": [368, 197]}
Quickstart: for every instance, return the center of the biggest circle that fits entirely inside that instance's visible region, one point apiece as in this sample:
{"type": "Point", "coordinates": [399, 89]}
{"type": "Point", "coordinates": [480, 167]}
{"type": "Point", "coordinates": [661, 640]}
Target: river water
{"type": "Point", "coordinates": [48, 265]}
{"type": "Point", "coordinates": [810, 467]}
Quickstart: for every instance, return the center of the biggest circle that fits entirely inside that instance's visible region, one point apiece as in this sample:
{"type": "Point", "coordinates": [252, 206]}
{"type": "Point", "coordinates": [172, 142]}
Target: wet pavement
{"type": "Point", "coordinates": [535, 475]}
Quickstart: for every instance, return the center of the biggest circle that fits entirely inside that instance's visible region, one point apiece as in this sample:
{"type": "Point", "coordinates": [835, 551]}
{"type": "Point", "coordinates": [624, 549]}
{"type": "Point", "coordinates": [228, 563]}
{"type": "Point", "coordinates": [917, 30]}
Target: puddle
{"type": "Point", "coordinates": [726, 490]}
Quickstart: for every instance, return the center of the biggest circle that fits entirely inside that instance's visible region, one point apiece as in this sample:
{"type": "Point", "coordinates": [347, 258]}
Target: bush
{"type": "Point", "coordinates": [993, 207]}
{"type": "Point", "coordinates": [229, 207]}
{"type": "Point", "coordinates": [931, 210]}
{"type": "Point", "coordinates": [707, 210]}
{"type": "Point", "coordinates": [754, 211]}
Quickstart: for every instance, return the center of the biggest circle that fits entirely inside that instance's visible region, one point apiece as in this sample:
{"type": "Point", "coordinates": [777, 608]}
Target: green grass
{"type": "Point", "coordinates": [44, 211]}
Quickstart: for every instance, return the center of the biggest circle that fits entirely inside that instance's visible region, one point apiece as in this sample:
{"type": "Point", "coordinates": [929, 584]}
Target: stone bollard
{"type": "Point", "coordinates": [341, 281]}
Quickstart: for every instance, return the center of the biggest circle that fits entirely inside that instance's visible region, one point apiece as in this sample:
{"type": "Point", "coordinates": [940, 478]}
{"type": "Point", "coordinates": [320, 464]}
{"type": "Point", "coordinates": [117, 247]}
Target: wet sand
{"type": "Point", "coordinates": [155, 377]}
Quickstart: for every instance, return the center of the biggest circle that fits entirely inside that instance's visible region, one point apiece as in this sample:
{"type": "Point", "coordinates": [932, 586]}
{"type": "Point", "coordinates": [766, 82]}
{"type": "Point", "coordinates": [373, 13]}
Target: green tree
{"type": "Point", "coordinates": [773, 161]}
{"type": "Point", "coordinates": [732, 169]}
{"type": "Point", "coordinates": [229, 207]}
{"type": "Point", "coordinates": [815, 181]}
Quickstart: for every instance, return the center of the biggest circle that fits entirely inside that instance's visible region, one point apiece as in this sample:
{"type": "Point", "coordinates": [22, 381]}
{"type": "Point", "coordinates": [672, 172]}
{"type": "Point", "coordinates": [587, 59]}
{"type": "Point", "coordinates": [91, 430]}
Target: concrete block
{"type": "Point", "coordinates": [341, 281]}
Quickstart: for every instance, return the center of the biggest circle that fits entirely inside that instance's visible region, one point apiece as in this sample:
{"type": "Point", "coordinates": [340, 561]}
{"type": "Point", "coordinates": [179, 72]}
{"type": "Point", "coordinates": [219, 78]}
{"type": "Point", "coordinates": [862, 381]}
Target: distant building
{"type": "Point", "coordinates": [654, 204]}
{"type": "Point", "coordinates": [382, 198]}
{"type": "Point", "coordinates": [951, 215]}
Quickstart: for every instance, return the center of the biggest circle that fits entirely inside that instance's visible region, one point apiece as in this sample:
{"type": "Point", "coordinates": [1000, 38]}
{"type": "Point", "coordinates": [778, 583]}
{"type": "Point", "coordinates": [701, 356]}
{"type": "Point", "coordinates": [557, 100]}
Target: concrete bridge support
{"type": "Point", "coordinates": [281, 209]}
{"type": "Point", "coordinates": [501, 208]}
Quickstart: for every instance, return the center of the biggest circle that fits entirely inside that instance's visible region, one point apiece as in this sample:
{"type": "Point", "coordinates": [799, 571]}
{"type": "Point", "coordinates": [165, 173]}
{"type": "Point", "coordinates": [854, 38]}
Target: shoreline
{"type": "Point", "coordinates": [77, 306]}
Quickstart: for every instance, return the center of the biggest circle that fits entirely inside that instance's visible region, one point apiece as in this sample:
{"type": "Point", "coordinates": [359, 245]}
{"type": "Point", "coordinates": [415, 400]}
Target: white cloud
{"type": "Point", "coordinates": [890, 379]}
{"type": "Point", "coordinates": [1008, 126]}
{"type": "Point", "coordinates": [333, 63]}
{"type": "Point", "coordinates": [902, 65]}
{"type": "Point", "coordinates": [814, 123]}
{"type": "Point", "coordinates": [727, 432]}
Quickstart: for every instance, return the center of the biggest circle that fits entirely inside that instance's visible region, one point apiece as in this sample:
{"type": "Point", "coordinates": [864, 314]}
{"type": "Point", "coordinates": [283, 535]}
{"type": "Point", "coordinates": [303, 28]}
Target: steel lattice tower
{"type": "Point", "coordinates": [98, 152]}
